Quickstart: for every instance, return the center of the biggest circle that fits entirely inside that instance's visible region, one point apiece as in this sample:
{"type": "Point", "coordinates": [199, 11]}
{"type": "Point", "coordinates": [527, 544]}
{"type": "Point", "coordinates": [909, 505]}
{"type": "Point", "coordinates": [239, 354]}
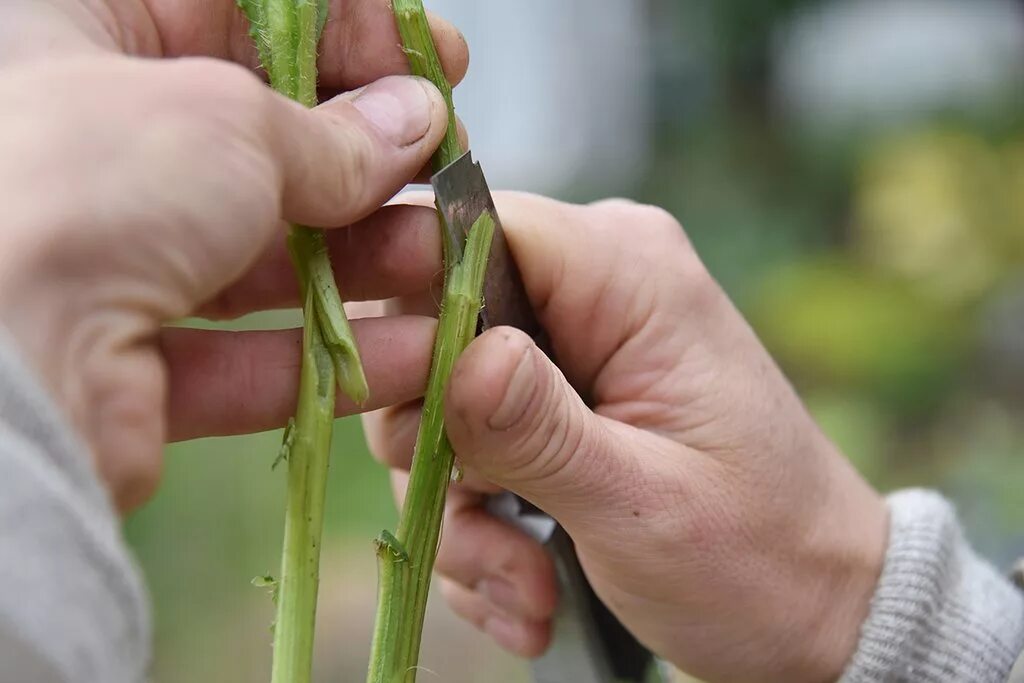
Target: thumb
{"type": "Point", "coordinates": [512, 417]}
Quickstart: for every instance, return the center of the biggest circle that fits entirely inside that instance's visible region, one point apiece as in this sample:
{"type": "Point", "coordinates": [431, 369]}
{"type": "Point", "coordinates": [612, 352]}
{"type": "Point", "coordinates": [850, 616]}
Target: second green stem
{"type": "Point", "coordinates": [406, 561]}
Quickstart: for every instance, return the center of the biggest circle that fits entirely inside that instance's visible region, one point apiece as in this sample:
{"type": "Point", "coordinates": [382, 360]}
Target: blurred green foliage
{"type": "Point", "coordinates": [835, 325]}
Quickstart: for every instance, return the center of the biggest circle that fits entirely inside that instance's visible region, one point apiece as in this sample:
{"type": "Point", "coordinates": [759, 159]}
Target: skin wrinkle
{"type": "Point", "coordinates": [607, 484]}
{"type": "Point", "coordinates": [499, 419]}
{"type": "Point", "coordinates": [537, 425]}
{"type": "Point", "coordinates": [340, 33]}
{"type": "Point", "coordinates": [631, 328]}
{"type": "Point", "coordinates": [564, 440]}
{"type": "Point", "coordinates": [202, 405]}
{"type": "Point", "coordinates": [364, 18]}
{"type": "Point", "coordinates": [635, 386]}
{"type": "Point", "coordinates": [113, 23]}
{"type": "Point", "coordinates": [359, 160]}
{"type": "Point", "coordinates": [598, 312]}
{"type": "Point", "coordinates": [681, 420]}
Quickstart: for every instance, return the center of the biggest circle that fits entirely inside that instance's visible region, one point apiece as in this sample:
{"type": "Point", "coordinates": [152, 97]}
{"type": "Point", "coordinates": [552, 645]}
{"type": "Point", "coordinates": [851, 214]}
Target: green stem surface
{"type": "Point", "coordinates": [286, 33]}
{"type": "Point", "coordinates": [307, 453]}
{"type": "Point", "coordinates": [406, 559]}
{"type": "Point", "coordinates": [418, 44]}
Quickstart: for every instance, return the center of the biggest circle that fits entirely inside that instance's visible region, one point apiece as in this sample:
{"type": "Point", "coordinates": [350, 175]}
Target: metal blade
{"type": "Point", "coordinates": [462, 195]}
{"type": "Point", "coordinates": [588, 645]}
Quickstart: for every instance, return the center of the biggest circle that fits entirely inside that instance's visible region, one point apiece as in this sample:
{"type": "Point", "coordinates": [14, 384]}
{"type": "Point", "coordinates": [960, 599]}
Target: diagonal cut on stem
{"type": "Point", "coordinates": [406, 559]}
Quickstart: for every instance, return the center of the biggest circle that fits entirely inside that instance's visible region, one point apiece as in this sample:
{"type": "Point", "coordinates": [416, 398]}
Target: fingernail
{"type": "Point", "coordinates": [508, 633]}
{"type": "Point", "coordinates": [517, 396]}
{"type": "Point", "coordinates": [398, 106]}
{"type": "Point", "coordinates": [501, 594]}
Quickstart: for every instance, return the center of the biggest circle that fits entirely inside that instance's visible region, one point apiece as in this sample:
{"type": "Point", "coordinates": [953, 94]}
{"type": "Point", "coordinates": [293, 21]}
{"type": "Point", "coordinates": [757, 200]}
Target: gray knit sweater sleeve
{"type": "Point", "coordinates": [72, 604]}
{"type": "Point", "coordinates": [940, 614]}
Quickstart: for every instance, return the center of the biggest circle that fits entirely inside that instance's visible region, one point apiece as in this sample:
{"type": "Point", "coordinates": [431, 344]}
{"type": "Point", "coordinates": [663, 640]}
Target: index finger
{"type": "Point", "coordinates": [360, 42]}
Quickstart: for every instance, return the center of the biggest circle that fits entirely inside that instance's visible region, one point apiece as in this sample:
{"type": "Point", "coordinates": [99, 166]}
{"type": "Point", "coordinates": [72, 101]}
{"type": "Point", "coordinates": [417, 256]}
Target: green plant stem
{"type": "Point", "coordinates": [286, 33]}
{"type": "Point", "coordinates": [307, 456]}
{"type": "Point", "coordinates": [418, 44]}
{"type": "Point", "coordinates": [406, 561]}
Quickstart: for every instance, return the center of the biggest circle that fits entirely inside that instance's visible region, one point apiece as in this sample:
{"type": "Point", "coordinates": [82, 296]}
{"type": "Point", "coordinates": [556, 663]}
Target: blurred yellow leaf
{"type": "Point", "coordinates": [830, 322]}
{"type": "Point", "coordinates": [938, 208]}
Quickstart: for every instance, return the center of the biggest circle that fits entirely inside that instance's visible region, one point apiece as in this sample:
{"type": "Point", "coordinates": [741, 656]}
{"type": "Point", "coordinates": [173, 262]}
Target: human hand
{"type": "Point", "coordinates": [708, 511]}
{"type": "Point", "coordinates": [138, 191]}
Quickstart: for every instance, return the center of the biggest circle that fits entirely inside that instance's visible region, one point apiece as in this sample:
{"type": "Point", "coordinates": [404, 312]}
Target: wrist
{"type": "Point", "coordinates": [844, 555]}
{"type": "Point", "coordinates": [939, 610]}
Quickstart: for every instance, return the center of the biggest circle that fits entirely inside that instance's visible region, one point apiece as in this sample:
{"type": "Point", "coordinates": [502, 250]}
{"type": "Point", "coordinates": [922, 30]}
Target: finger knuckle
{"type": "Point", "coordinates": [701, 292]}
{"type": "Point", "coordinates": [139, 484]}
{"type": "Point", "coordinates": [206, 83]}
{"type": "Point", "coordinates": [224, 109]}
{"type": "Point", "coordinates": [450, 563]}
{"type": "Point", "coordinates": [674, 259]}
{"type": "Point", "coordinates": [451, 591]}
{"type": "Point", "coordinates": [646, 229]}
{"type": "Point", "coordinates": [552, 434]}
{"type": "Point", "coordinates": [355, 156]}
{"type": "Point", "coordinates": [463, 603]}
{"type": "Point", "coordinates": [614, 204]}
{"type": "Point", "coordinates": [657, 224]}
{"type": "Point", "coordinates": [390, 435]}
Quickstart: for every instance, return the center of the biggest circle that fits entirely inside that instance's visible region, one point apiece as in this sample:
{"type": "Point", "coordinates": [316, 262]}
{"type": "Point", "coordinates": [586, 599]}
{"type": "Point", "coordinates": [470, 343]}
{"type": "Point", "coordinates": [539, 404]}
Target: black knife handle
{"type": "Point", "coordinates": [589, 644]}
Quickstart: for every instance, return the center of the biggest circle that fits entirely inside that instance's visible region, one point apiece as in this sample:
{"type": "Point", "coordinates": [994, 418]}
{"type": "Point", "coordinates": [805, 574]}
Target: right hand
{"type": "Point", "coordinates": [708, 510]}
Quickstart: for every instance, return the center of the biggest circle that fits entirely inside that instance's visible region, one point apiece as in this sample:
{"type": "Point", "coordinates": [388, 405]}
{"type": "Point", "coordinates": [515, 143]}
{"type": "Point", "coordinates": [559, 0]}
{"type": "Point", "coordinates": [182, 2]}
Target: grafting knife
{"type": "Point", "coordinates": [589, 645]}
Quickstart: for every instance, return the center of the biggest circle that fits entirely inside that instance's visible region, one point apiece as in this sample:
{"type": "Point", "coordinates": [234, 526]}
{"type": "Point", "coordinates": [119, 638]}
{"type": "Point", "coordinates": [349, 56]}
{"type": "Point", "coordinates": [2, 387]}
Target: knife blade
{"type": "Point", "coordinates": [588, 645]}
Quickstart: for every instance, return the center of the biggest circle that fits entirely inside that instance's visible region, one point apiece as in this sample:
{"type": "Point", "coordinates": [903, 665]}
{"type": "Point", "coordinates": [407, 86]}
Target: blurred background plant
{"type": "Point", "coordinates": [852, 171]}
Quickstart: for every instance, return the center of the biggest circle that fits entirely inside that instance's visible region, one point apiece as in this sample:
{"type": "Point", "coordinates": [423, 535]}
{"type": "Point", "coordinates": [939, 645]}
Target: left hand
{"type": "Point", "coordinates": [138, 191]}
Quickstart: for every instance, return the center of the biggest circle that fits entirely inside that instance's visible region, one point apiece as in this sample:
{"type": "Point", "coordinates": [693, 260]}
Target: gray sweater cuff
{"type": "Point", "coordinates": [73, 607]}
{"type": "Point", "coordinates": [940, 614]}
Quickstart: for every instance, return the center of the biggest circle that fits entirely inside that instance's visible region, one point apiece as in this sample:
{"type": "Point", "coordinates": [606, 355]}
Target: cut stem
{"type": "Point", "coordinates": [407, 560]}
